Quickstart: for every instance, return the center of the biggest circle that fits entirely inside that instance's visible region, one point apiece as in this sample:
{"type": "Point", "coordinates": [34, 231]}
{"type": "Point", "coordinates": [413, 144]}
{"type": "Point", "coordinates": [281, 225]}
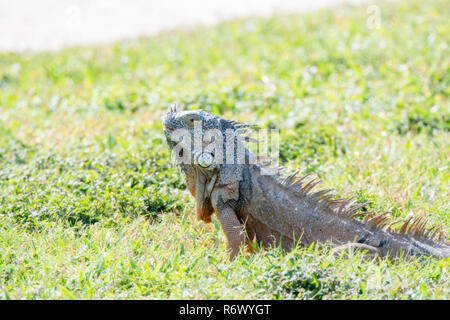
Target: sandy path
{"type": "Point", "coordinates": [52, 24]}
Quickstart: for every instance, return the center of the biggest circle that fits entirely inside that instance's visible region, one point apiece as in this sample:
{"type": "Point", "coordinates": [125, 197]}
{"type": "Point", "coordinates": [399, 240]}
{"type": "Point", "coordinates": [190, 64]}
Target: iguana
{"type": "Point", "coordinates": [278, 211]}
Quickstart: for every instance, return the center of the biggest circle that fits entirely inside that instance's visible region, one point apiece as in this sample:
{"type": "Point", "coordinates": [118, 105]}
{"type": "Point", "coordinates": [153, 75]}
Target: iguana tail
{"type": "Point", "coordinates": [318, 216]}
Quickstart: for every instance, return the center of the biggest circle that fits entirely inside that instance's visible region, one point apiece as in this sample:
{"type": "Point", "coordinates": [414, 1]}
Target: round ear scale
{"type": "Point", "coordinates": [205, 159]}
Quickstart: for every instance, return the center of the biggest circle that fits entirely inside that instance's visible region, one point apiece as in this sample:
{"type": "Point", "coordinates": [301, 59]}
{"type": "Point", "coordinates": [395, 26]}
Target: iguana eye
{"type": "Point", "coordinates": [190, 121]}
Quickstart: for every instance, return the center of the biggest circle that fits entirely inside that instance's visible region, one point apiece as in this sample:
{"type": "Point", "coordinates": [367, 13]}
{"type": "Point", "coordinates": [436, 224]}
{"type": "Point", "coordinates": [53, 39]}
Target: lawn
{"type": "Point", "coordinates": [91, 206]}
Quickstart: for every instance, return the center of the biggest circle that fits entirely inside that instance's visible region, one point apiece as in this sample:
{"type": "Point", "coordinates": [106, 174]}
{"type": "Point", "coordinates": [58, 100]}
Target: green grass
{"type": "Point", "coordinates": [92, 207]}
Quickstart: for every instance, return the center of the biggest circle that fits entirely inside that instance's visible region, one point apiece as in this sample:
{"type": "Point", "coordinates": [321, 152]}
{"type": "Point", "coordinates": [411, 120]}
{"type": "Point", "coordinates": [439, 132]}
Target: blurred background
{"type": "Point", "coordinates": [52, 24]}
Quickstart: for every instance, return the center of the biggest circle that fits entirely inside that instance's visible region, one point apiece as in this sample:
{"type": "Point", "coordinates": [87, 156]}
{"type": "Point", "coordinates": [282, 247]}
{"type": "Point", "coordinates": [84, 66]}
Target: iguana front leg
{"type": "Point", "coordinates": [232, 228]}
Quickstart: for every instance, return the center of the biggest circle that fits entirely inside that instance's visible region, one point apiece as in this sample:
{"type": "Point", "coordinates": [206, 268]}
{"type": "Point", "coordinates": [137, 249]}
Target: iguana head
{"type": "Point", "coordinates": [200, 143]}
{"type": "Point", "coordinates": [187, 121]}
{"type": "Point", "coordinates": [182, 128]}
{"type": "Point", "coordinates": [185, 133]}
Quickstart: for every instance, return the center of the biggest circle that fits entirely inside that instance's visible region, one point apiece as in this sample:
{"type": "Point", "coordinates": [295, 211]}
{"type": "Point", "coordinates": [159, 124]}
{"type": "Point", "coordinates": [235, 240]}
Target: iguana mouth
{"type": "Point", "coordinates": [169, 128]}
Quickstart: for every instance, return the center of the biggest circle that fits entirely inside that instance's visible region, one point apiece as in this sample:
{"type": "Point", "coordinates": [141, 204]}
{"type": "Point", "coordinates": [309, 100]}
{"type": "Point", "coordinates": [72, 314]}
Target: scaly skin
{"type": "Point", "coordinates": [285, 212]}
